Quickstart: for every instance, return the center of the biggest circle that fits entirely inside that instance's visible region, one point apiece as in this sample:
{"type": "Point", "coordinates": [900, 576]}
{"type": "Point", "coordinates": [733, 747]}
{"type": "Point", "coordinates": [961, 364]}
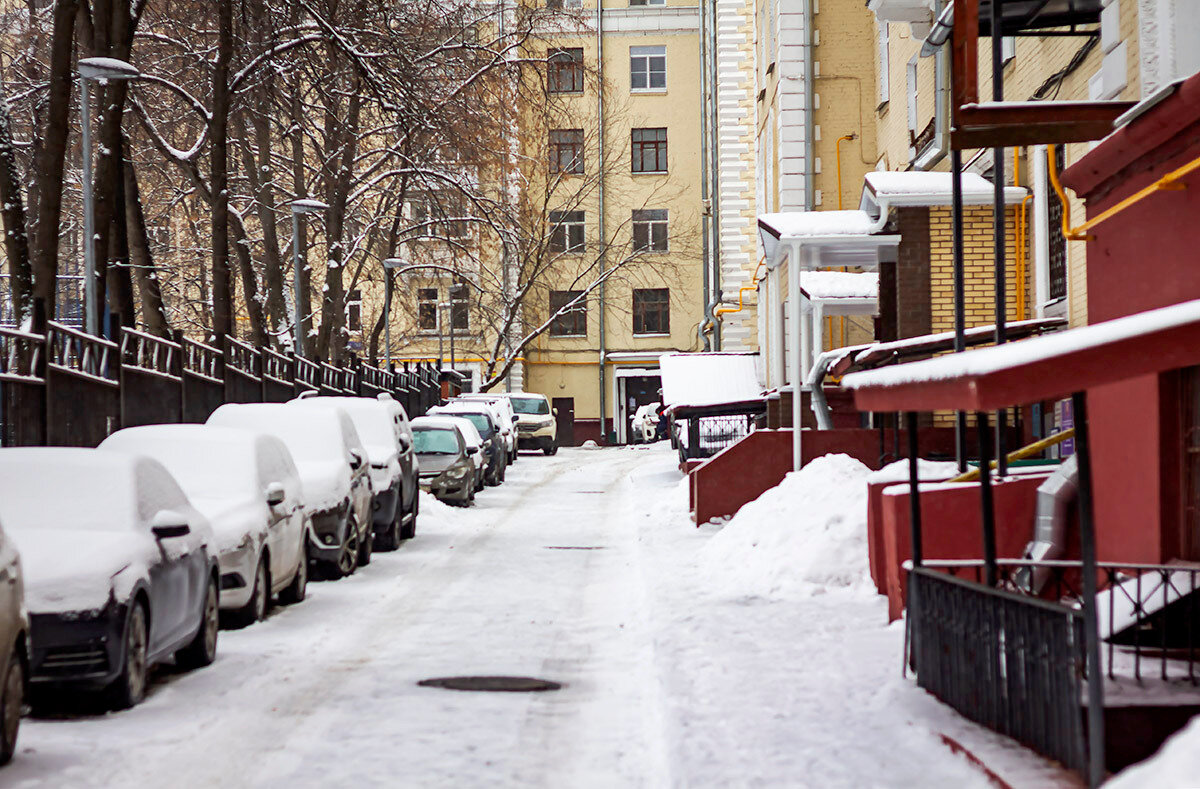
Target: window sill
{"type": "Point", "coordinates": [649, 172]}
{"type": "Point", "coordinates": [568, 336]}
{"type": "Point", "coordinates": [653, 334]}
{"type": "Point", "coordinates": [652, 91]}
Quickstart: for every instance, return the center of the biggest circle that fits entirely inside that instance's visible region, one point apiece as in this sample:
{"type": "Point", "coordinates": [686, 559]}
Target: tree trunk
{"type": "Point", "coordinates": [222, 284]}
{"type": "Point", "coordinates": [154, 316]}
{"type": "Point", "coordinates": [120, 281]}
{"type": "Point", "coordinates": [300, 189]}
{"type": "Point", "coordinates": [12, 207]}
{"type": "Point", "coordinates": [49, 167]}
{"type": "Point", "coordinates": [254, 298]}
{"type": "Point", "coordinates": [258, 173]}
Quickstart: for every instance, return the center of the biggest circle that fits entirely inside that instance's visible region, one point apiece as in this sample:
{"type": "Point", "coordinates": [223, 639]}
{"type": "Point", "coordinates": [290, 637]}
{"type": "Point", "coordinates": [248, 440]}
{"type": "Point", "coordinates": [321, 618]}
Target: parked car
{"type": "Point", "coordinates": [536, 426]}
{"type": "Point", "coordinates": [14, 646]}
{"type": "Point", "coordinates": [504, 416]}
{"type": "Point", "coordinates": [383, 429]}
{"type": "Point", "coordinates": [334, 479]}
{"type": "Point", "coordinates": [494, 449]}
{"type": "Point", "coordinates": [119, 569]}
{"type": "Point", "coordinates": [247, 486]}
{"type": "Point", "coordinates": [448, 467]}
{"type": "Point", "coordinates": [645, 423]}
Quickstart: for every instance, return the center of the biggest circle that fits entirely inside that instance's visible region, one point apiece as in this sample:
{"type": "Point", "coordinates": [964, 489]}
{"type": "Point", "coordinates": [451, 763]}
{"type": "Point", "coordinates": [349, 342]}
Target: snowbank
{"type": "Point", "coordinates": [927, 471]}
{"type": "Point", "coordinates": [1175, 766]}
{"type": "Point", "coordinates": [807, 534]}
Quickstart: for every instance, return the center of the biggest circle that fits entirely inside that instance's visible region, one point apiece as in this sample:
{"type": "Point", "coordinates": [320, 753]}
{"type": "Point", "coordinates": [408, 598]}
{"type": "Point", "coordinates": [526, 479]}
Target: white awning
{"type": "Point", "coordinates": [833, 238]}
{"type": "Point", "coordinates": [701, 379]}
{"type": "Point", "coordinates": [882, 190]}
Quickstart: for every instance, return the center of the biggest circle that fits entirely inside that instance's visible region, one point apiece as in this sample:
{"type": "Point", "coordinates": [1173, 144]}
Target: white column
{"type": "Point", "coordinates": [796, 346]}
{"type": "Point", "coordinates": [1041, 231]}
{"type": "Point", "coordinates": [818, 334]}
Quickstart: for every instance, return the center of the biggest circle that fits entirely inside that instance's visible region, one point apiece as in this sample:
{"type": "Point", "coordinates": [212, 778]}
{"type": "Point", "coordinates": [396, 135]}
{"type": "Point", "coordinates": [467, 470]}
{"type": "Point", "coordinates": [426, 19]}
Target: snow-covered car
{"type": "Point", "coordinates": [645, 423]}
{"type": "Point", "coordinates": [247, 486]}
{"type": "Point", "coordinates": [14, 646]}
{"type": "Point", "coordinates": [119, 570]}
{"type": "Point", "coordinates": [495, 460]}
{"type": "Point", "coordinates": [504, 417]}
{"type": "Point", "coordinates": [536, 425]}
{"type": "Point", "coordinates": [334, 480]}
{"type": "Point", "coordinates": [448, 467]}
{"type": "Point", "coordinates": [383, 429]}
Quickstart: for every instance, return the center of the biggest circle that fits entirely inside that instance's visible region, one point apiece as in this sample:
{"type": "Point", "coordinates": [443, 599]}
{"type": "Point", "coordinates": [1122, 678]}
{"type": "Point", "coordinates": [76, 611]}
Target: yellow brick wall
{"type": "Point", "coordinates": [980, 267]}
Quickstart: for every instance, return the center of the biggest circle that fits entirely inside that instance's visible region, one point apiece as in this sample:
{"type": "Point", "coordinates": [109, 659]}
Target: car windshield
{"type": "Point", "coordinates": [481, 422]}
{"type": "Point", "coordinates": [435, 442]}
{"type": "Point", "coordinates": [530, 405]}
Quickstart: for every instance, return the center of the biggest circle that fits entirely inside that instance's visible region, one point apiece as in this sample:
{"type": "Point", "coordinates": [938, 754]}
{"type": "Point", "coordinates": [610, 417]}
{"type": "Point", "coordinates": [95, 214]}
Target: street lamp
{"type": "Point", "coordinates": [301, 206]}
{"type": "Point", "coordinates": [401, 268]}
{"type": "Point", "coordinates": [103, 70]}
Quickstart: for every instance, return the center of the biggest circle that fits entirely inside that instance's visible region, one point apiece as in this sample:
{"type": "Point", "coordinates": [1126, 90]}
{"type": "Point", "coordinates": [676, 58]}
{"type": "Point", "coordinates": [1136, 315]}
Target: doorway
{"type": "Point", "coordinates": [564, 416]}
{"type": "Point", "coordinates": [634, 391]}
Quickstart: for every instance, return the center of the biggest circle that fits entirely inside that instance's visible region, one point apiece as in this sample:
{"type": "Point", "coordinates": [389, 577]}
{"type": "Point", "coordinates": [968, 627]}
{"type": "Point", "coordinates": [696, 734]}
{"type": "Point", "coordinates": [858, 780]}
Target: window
{"type": "Point", "coordinates": [1057, 241]}
{"type": "Point", "coordinates": [649, 150]}
{"type": "Point", "coordinates": [650, 230]}
{"type": "Point", "coordinates": [564, 4]}
{"type": "Point", "coordinates": [884, 87]}
{"type": "Point", "coordinates": [564, 71]}
{"type": "Point", "coordinates": [648, 68]}
{"type": "Point", "coordinates": [432, 211]}
{"type": "Point", "coordinates": [566, 150]}
{"type": "Point", "coordinates": [566, 231]}
{"type": "Point", "coordinates": [633, 3]}
{"type": "Point", "coordinates": [460, 303]}
{"type": "Point", "coordinates": [354, 311]}
{"type": "Point", "coordinates": [911, 87]}
{"type": "Point", "coordinates": [427, 309]}
{"type": "Point", "coordinates": [651, 311]}
{"type": "Point", "coordinates": [572, 323]}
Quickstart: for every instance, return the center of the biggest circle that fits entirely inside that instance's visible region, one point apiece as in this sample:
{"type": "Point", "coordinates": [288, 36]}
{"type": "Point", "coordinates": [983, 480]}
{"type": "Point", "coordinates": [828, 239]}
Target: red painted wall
{"type": "Point", "coordinates": [951, 527]}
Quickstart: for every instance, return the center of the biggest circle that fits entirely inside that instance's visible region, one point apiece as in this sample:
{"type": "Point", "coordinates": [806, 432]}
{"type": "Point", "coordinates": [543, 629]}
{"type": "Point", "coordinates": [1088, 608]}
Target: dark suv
{"type": "Point", "coordinates": [493, 443]}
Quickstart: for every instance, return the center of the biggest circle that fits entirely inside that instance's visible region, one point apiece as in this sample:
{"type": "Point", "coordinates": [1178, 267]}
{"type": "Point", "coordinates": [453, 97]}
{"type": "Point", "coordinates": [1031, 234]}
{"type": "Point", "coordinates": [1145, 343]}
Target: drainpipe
{"type": "Point", "coordinates": [705, 220]}
{"type": "Point", "coordinates": [935, 153]}
{"type": "Point", "coordinates": [714, 154]}
{"type": "Point", "coordinates": [810, 165]}
{"type": "Point", "coordinates": [600, 200]}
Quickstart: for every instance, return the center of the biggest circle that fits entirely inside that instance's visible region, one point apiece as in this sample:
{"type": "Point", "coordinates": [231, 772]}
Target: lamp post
{"type": "Point", "coordinates": [388, 265]}
{"type": "Point", "coordinates": [101, 69]}
{"type": "Point", "coordinates": [302, 206]}
{"type": "Point", "coordinates": [399, 267]}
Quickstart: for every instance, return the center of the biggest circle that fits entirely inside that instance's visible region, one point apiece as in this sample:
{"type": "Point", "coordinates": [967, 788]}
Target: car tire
{"type": "Point", "coordinates": [409, 530]}
{"type": "Point", "coordinates": [552, 448]}
{"type": "Point", "coordinates": [256, 607]}
{"type": "Point", "coordinates": [364, 547]}
{"type": "Point", "coordinates": [12, 697]}
{"type": "Point", "coordinates": [347, 561]}
{"type": "Point", "coordinates": [297, 590]}
{"type": "Point", "coordinates": [129, 688]}
{"type": "Point", "coordinates": [202, 650]}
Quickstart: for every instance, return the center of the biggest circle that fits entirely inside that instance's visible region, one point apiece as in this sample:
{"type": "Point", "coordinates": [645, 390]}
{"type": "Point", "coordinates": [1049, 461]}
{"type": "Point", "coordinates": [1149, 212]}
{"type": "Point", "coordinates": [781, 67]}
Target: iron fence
{"type": "Point", "coordinates": [1008, 661]}
{"type": "Point", "coordinates": [62, 387]}
{"type": "Point", "coordinates": [705, 436]}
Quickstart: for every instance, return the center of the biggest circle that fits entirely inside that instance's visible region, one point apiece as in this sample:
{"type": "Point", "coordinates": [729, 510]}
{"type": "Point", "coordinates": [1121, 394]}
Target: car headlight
{"type": "Point", "coordinates": [457, 473]}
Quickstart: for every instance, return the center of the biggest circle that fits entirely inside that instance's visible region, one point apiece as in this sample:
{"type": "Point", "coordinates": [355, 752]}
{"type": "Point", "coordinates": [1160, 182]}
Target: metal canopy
{"type": "Point", "coordinates": [1019, 15]}
{"type": "Point", "coordinates": [1042, 368]}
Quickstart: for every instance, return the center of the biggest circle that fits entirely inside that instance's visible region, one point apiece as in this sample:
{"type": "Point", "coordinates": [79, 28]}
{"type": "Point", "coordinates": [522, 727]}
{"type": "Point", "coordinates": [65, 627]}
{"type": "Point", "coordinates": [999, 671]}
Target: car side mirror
{"type": "Point", "coordinates": [169, 523]}
{"type": "Point", "coordinates": [276, 493]}
{"type": "Point", "coordinates": [516, 419]}
{"type": "Point", "coordinates": [554, 411]}
{"type": "Point", "coordinates": [472, 450]}
{"type": "Point", "coordinates": [356, 459]}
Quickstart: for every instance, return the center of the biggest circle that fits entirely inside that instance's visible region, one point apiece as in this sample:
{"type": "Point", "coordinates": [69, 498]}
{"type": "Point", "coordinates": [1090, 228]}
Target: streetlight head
{"type": "Point", "coordinates": [392, 262]}
{"type": "Point", "coordinates": [307, 206]}
{"type": "Point", "coordinates": [107, 68]}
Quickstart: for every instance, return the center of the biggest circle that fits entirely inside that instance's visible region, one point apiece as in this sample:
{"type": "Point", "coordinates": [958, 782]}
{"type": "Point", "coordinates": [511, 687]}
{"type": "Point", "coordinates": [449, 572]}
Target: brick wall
{"type": "Point", "coordinates": [979, 263]}
{"type": "Point", "coordinates": [913, 274]}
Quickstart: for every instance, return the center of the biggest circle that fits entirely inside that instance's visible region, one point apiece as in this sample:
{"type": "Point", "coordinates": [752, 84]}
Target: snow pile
{"type": "Point", "coordinates": [927, 471]}
{"type": "Point", "coordinates": [1175, 766]}
{"type": "Point", "coordinates": [839, 284]}
{"type": "Point", "coordinates": [806, 534]}
{"type": "Point", "coordinates": [589, 444]}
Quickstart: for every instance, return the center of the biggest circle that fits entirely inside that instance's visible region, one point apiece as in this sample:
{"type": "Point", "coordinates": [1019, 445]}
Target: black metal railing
{"type": "Point", "coordinates": [705, 436]}
{"type": "Point", "coordinates": [1148, 615]}
{"type": "Point", "coordinates": [1008, 661]}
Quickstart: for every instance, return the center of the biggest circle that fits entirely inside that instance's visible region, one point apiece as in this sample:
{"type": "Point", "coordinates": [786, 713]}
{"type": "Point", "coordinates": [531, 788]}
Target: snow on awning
{"type": "Point", "coordinates": [882, 190]}
{"type": "Point", "coordinates": [833, 285]}
{"type": "Point", "coordinates": [1049, 367]}
{"type": "Point", "coordinates": [846, 238]}
{"type": "Point", "coordinates": [692, 380]}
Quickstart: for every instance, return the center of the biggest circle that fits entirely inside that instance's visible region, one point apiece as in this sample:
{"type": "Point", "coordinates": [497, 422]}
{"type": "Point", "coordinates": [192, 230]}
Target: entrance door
{"type": "Point", "coordinates": [564, 408]}
{"type": "Point", "coordinates": [1190, 465]}
{"type": "Point", "coordinates": [639, 390]}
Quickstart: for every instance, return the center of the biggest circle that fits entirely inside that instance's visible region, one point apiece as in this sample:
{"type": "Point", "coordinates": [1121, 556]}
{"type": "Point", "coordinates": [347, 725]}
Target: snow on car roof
{"type": "Point", "coordinates": [49, 487]}
{"type": "Point", "coordinates": [372, 418]}
{"type": "Point", "coordinates": [699, 379]}
{"type": "Point", "coordinates": [469, 433]}
{"type": "Point", "coordinates": [311, 433]}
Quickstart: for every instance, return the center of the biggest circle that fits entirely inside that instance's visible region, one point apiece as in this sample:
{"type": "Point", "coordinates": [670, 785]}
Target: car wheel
{"type": "Point", "coordinates": [347, 561]}
{"type": "Point", "coordinates": [297, 590]}
{"type": "Point", "coordinates": [552, 449]}
{"type": "Point", "coordinates": [409, 530]}
{"type": "Point", "coordinates": [256, 607]}
{"type": "Point", "coordinates": [10, 707]}
{"type": "Point", "coordinates": [365, 544]}
{"type": "Point", "coordinates": [129, 687]}
{"type": "Point", "coordinates": [203, 649]}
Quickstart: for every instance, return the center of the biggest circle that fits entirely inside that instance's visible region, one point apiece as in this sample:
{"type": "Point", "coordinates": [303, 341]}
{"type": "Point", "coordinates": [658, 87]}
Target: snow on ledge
{"type": "Point", "coordinates": [804, 224]}
{"type": "Point", "coordinates": [839, 285]}
{"type": "Point", "coordinates": [700, 379]}
{"type": "Point", "coordinates": [932, 188]}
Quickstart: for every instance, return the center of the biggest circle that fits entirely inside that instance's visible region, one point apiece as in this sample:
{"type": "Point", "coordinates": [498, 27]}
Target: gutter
{"type": "Point", "coordinates": [600, 200]}
{"type": "Point", "coordinates": [706, 217]}
{"type": "Point", "coordinates": [810, 165]}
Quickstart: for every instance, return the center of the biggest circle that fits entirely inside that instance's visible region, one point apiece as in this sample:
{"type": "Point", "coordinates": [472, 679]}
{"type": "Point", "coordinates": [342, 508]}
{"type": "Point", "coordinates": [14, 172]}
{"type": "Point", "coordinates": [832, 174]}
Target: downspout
{"type": "Point", "coordinates": [810, 165]}
{"type": "Point", "coordinates": [704, 194]}
{"type": "Point", "coordinates": [600, 199]}
{"type": "Point", "coordinates": [934, 153]}
{"type": "Point", "coordinates": [713, 152]}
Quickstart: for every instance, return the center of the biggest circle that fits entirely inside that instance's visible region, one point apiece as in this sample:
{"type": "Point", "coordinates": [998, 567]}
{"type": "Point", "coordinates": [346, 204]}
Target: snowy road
{"type": "Point", "coordinates": [580, 570]}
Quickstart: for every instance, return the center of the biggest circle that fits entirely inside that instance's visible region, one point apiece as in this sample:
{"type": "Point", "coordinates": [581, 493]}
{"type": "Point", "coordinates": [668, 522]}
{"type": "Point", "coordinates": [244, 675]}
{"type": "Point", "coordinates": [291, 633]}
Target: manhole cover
{"type": "Point", "coordinates": [492, 684]}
